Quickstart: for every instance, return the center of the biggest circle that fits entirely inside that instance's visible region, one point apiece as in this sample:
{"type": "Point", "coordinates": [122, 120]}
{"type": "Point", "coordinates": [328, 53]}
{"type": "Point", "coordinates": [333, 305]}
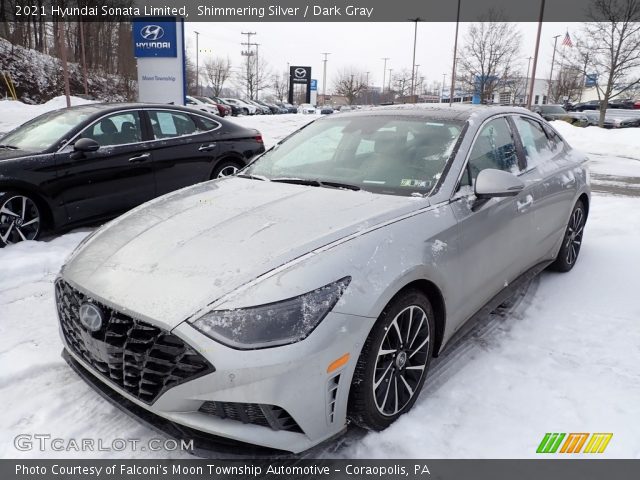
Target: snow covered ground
{"type": "Point", "coordinates": [563, 357]}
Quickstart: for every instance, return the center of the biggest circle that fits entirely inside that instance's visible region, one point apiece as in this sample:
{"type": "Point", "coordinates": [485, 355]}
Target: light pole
{"type": "Point", "coordinates": [413, 63]}
{"type": "Point", "coordinates": [553, 59]}
{"type": "Point", "coordinates": [384, 72]}
{"type": "Point", "coordinates": [526, 82]}
{"type": "Point", "coordinates": [444, 75]}
{"type": "Point", "coordinates": [324, 78]}
{"type": "Point", "coordinates": [257, 45]}
{"type": "Point", "coordinates": [417, 77]}
{"type": "Point", "coordinates": [366, 92]}
{"type": "Point", "coordinates": [535, 55]}
{"type": "Point", "coordinates": [390, 70]}
{"type": "Point", "coordinates": [455, 57]}
{"type": "Point", "coordinates": [197, 65]}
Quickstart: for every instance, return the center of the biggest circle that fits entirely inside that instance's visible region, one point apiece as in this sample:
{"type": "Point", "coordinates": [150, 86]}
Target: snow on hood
{"type": "Point", "coordinates": [173, 256]}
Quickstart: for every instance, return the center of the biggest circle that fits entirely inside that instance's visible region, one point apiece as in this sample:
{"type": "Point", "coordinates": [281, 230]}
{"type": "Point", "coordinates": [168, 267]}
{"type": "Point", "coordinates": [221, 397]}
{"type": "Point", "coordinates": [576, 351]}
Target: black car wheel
{"type": "Point", "coordinates": [19, 218]}
{"type": "Point", "coordinates": [226, 168]}
{"type": "Point", "coordinates": [393, 363]}
{"type": "Point", "coordinates": [572, 240]}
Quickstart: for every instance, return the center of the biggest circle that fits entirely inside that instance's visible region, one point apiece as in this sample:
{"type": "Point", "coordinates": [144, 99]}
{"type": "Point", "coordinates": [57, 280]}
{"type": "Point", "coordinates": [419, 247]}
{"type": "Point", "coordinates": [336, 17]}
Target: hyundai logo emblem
{"type": "Point", "coordinates": [91, 317]}
{"type": "Point", "coordinates": [300, 72]}
{"type": "Point", "coordinates": [152, 32]}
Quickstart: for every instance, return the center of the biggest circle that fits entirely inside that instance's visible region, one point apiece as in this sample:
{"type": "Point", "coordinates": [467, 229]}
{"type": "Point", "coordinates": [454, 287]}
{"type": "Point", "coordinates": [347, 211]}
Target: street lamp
{"type": "Point", "coordinates": [197, 65]}
{"type": "Point", "coordinates": [413, 63]}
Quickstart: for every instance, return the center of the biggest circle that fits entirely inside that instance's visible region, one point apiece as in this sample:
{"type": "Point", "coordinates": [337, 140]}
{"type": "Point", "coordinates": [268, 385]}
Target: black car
{"type": "Point", "coordinates": [88, 163]}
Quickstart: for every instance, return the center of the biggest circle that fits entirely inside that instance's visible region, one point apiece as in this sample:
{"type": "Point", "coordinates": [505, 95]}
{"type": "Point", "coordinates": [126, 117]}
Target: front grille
{"type": "Point", "coordinates": [255, 413]}
{"type": "Point", "coordinates": [141, 358]}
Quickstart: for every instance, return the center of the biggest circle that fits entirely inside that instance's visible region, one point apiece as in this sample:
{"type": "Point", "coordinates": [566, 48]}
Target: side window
{"type": "Point", "coordinates": [116, 129]}
{"type": "Point", "coordinates": [171, 124]}
{"type": "Point", "coordinates": [537, 146]}
{"type": "Point", "coordinates": [205, 124]}
{"type": "Point", "coordinates": [494, 148]}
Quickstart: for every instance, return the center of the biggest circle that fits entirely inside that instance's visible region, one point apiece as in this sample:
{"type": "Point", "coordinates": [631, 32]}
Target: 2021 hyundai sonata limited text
{"type": "Point", "coordinates": [313, 288]}
{"type": "Point", "coordinates": [87, 163]}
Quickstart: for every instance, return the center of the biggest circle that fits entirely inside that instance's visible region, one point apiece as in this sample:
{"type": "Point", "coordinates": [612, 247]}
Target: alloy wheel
{"type": "Point", "coordinates": [573, 239]}
{"type": "Point", "coordinates": [19, 220]}
{"type": "Point", "coordinates": [227, 171]}
{"type": "Point", "coordinates": [401, 360]}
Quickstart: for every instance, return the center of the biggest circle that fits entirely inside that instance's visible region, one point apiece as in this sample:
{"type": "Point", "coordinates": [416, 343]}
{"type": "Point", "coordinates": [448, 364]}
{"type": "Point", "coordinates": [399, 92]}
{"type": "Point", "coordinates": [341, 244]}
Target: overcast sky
{"type": "Point", "coordinates": [359, 45]}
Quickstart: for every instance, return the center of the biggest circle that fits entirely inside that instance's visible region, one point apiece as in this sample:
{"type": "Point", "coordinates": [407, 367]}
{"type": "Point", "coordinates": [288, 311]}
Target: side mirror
{"type": "Point", "coordinates": [82, 146]}
{"type": "Point", "coordinates": [86, 145]}
{"type": "Point", "coordinates": [497, 183]}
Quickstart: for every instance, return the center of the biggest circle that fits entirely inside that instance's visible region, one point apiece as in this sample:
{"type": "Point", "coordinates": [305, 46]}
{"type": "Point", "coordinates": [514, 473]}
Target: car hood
{"type": "Point", "coordinates": [8, 153]}
{"type": "Point", "coordinates": [171, 257]}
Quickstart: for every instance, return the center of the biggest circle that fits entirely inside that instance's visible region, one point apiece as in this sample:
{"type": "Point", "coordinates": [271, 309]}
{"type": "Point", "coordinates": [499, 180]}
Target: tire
{"type": "Point", "coordinates": [225, 168]}
{"type": "Point", "coordinates": [572, 240]}
{"type": "Point", "coordinates": [245, 111]}
{"type": "Point", "coordinates": [386, 359]}
{"type": "Point", "coordinates": [20, 218]}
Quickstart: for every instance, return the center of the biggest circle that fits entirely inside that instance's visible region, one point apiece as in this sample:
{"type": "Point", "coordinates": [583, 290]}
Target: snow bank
{"type": "Point", "coordinates": [623, 142]}
{"type": "Point", "coordinates": [15, 113]}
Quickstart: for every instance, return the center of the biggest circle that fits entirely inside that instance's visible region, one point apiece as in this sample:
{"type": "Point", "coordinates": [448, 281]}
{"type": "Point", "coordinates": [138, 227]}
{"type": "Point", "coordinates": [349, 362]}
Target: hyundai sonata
{"type": "Point", "coordinates": [313, 288]}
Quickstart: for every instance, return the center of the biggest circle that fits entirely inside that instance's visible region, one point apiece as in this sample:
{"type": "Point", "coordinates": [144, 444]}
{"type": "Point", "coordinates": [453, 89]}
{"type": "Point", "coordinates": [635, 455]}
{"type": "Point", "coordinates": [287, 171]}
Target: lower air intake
{"type": "Point", "coordinates": [270, 416]}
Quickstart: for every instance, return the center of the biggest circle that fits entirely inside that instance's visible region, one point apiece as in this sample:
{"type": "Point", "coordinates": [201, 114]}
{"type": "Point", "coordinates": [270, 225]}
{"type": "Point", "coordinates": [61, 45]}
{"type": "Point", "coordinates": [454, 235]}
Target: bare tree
{"type": "Point", "coordinates": [491, 47]}
{"type": "Point", "coordinates": [217, 71]}
{"type": "Point", "coordinates": [350, 83]}
{"type": "Point", "coordinates": [280, 86]}
{"type": "Point", "coordinates": [402, 83]}
{"type": "Point", "coordinates": [612, 48]}
{"type": "Point", "coordinates": [253, 77]}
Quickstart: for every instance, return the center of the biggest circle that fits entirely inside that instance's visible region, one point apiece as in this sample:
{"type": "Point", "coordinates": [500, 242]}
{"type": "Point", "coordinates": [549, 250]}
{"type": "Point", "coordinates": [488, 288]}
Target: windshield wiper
{"type": "Point", "coordinates": [252, 177]}
{"type": "Point", "coordinates": [10, 147]}
{"type": "Point", "coordinates": [316, 183]}
{"type": "Point", "coordinates": [298, 181]}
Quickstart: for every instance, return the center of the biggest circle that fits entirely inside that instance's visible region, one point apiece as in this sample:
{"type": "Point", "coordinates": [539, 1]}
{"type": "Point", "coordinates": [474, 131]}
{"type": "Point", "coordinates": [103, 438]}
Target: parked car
{"type": "Point", "coordinates": [316, 285]}
{"type": "Point", "coordinates": [590, 105]}
{"type": "Point", "coordinates": [87, 163]}
{"type": "Point", "coordinates": [201, 105]}
{"type": "Point", "coordinates": [625, 104]}
{"type": "Point", "coordinates": [557, 112]}
{"type": "Point", "coordinates": [615, 118]}
{"type": "Point", "coordinates": [306, 108]}
{"type": "Point", "coordinates": [261, 109]}
{"type": "Point", "coordinates": [244, 108]}
{"type": "Point", "coordinates": [326, 110]}
{"type": "Point", "coordinates": [223, 110]}
{"type": "Point", "coordinates": [235, 108]}
{"type": "Point", "coordinates": [273, 109]}
{"type": "Point", "coordinates": [290, 108]}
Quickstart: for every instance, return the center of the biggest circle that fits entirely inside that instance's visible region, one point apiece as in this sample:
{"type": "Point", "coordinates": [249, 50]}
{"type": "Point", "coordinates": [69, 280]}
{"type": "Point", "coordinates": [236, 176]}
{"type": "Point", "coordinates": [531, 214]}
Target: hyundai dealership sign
{"type": "Point", "coordinates": [158, 45]}
{"type": "Point", "coordinates": [154, 37]}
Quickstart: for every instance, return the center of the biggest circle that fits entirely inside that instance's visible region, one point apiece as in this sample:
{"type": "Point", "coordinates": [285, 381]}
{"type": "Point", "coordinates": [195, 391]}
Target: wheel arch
{"type": "Point", "coordinates": [434, 294]}
{"type": "Point", "coordinates": [41, 200]}
{"type": "Point", "coordinates": [227, 157]}
{"type": "Point", "coordinates": [584, 198]}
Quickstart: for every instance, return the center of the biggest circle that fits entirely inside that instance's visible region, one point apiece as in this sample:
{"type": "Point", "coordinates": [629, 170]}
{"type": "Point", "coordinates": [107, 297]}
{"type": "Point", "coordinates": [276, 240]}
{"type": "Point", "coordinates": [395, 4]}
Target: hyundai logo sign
{"type": "Point", "coordinates": [300, 72]}
{"type": "Point", "coordinates": [152, 32]}
{"type": "Point", "coordinates": [91, 316]}
{"type": "Point", "coordinates": [157, 39]}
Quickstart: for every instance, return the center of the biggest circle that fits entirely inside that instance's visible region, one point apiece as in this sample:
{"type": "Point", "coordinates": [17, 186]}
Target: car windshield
{"type": "Point", "coordinates": [553, 109]}
{"type": "Point", "coordinates": [44, 131]}
{"type": "Point", "coordinates": [397, 155]}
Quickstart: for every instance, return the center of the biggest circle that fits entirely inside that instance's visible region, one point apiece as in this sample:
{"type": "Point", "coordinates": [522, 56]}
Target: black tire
{"type": "Point", "coordinates": [245, 111]}
{"type": "Point", "coordinates": [20, 218]}
{"type": "Point", "coordinates": [572, 240]}
{"type": "Point", "coordinates": [370, 405]}
{"type": "Point", "coordinates": [227, 166]}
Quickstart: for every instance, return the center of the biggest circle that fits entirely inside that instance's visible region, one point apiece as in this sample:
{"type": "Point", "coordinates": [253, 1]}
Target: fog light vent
{"type": "Point", "coordinates": [270, 416]}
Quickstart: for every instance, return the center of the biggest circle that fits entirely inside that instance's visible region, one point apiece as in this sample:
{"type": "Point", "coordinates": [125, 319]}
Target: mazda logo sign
{"type": "Point", "coordinates": [152, 32]}
{"type": "Point", "coordinates": [91, 317]}
{"type": "Point", "coordinates": [300, 72]}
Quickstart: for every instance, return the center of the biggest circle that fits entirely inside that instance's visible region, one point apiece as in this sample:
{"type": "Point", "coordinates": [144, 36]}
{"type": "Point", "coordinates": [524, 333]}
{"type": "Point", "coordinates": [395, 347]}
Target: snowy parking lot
{"type": "Point", "coordinates": [563, 356]}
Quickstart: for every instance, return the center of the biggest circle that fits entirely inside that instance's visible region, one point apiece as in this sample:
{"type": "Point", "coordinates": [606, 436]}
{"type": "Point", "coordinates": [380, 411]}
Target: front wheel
{"type": "Point", "coordinates": [572, 240]}
{"type": "Point", "coordinates": [226, 168]}
{"type": "Point", "coordinates": [19, 218]}
{"type": "Point", "coordinates": [393, 364]}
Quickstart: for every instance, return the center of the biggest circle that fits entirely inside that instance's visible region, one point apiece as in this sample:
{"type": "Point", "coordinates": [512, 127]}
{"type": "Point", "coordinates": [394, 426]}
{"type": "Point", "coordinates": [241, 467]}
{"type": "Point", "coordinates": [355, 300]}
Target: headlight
{"type": "Point", "coordinates": [272, 324]}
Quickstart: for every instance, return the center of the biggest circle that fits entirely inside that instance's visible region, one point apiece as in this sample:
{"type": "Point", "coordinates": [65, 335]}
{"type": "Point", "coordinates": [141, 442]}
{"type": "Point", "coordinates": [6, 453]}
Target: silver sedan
{"type": "Point", "coordinates": [313, 288]}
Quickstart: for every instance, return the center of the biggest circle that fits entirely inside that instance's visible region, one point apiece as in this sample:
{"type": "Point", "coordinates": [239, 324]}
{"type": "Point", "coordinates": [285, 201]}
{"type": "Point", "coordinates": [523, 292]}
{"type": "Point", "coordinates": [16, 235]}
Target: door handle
{"type": "Point", "coordinates": [206, 148]}
{"type": "Point", "coordinates": [140, 158]}
{"type": "Point", "coordinates": [525, 204]}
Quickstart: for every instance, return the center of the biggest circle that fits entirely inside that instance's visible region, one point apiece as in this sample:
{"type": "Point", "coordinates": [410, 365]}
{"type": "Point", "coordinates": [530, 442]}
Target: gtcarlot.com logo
{"type": "Point", "coordinates": [26, 442]}
{"type": "Point", "coordinates": [574, 443]}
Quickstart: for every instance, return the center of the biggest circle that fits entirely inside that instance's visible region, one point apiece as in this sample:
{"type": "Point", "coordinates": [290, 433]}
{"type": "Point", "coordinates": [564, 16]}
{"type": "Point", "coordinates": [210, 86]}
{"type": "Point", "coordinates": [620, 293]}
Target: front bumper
{"type": "Point", "coordinates": [293, 378]}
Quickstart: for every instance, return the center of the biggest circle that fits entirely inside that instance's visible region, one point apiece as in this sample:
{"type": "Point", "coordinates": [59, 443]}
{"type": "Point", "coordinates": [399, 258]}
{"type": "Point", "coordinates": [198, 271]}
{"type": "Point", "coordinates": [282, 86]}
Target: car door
{"type": "Point", "coordinates": [552, 183]}
{"type": "Point", "coordinates": [113, 179]}
{"type": "Point", "coordinates": [492, 233]}
{"type": "Point", "coordinates": [184, 147]}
